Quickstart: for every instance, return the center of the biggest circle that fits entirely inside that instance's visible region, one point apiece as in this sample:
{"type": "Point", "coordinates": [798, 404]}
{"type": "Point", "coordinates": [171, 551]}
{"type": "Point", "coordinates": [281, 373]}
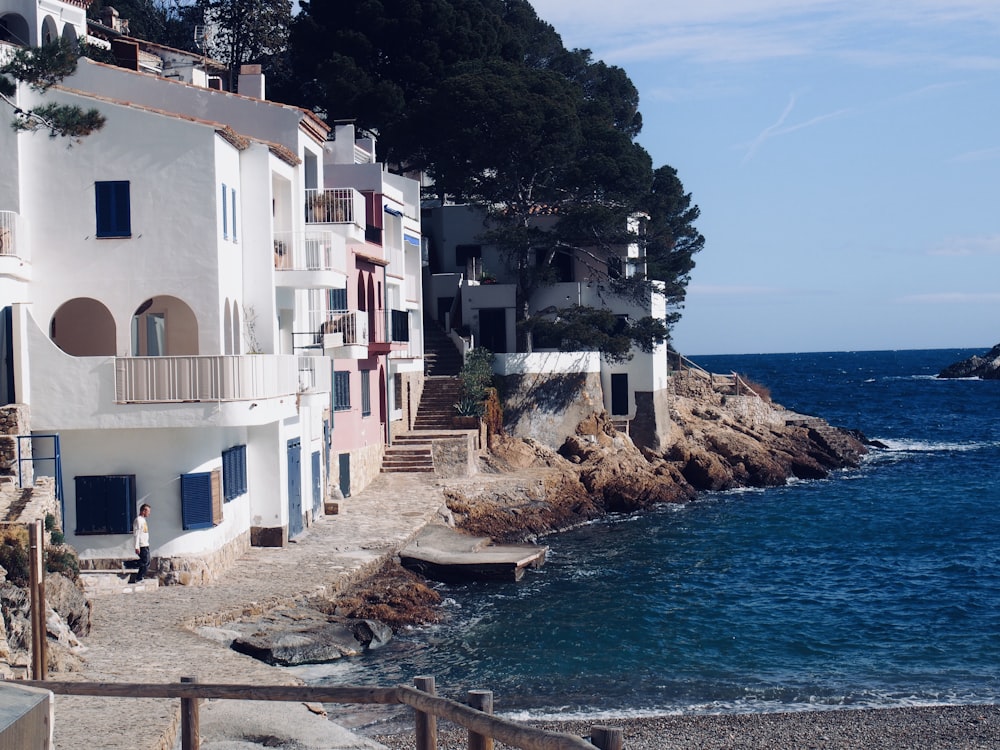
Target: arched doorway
{"type": "Point", "coordinates": [164, 326]}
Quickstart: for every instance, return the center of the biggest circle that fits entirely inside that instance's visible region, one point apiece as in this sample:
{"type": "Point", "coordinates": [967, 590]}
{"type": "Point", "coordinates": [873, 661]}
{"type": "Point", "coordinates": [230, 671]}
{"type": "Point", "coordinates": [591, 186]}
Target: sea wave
{"type": "Point", "coordinates": [903, 445]}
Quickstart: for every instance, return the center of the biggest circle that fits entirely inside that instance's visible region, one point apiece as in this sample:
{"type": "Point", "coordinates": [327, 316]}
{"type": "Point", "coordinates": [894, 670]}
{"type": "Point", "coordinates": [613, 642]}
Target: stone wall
{"type": "Point", "coordinates": [650, 427]}
{"type": "Point", "coordinates": [412, 384]}
{"type": "Point", "coordinates": [548, 407]}
{"type": "Point", "coordinates": [13, 422]}
{"type": "Point", "coordinates": [456, 457]}
{"type": "Point", "coordinates": [754, 411]}
{"type": "Point", "coordinates": [198, 570]}
{"type": "Point", "coordinates": [366, 464]}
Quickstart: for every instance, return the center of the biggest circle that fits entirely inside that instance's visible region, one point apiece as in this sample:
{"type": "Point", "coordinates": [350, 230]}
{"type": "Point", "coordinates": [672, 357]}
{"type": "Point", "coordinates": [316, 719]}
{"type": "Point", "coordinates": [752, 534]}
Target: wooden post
{"type": "Point", "coordinates": [36, 585]}
{"type": "Point", "coordinates": [426, 724]}
{"type": "Point", "coordinates": [481, 700]}
{"type": "Point", "coordinates": [190, 729]}
{"type": "Point", "coordinates": [607, 738]}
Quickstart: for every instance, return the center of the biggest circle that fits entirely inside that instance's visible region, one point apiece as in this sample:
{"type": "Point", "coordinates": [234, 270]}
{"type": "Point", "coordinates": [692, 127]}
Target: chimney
{"type": "Point", "coordinates": [251, 81]}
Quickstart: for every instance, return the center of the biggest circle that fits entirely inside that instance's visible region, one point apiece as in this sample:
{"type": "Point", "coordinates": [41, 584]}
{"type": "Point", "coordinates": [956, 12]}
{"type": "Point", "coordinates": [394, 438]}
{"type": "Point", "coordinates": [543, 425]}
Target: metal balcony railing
{"type": "Point", "coordinates": [337, 206]}
{"type": "Point", "coordinates": [205, 378]}
{"type": "Point", "coordinates": [352, 324]}
{"type": "Point", "coordinates": [311, 250]}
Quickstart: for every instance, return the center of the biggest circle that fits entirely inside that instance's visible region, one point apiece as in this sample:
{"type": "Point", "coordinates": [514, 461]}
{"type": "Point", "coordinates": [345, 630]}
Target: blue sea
{"type": "Point", "coordinates": [878, 586]}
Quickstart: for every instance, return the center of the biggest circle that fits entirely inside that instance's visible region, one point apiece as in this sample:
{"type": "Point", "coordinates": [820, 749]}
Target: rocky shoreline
{"type": "Point", "coordinates": [525, 490]}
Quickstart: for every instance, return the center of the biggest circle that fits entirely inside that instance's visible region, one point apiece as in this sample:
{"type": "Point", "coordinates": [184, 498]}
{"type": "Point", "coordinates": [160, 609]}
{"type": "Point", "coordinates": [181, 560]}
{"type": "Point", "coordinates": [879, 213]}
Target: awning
{"type": "Point", "coordinates": [411, 240]}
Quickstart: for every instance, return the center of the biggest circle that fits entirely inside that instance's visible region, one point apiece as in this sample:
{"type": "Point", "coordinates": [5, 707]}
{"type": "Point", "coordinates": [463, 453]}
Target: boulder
{"type": "Point", "coordinates": [986, 367]}
{"type": "Point", "coordinates": [304, 635]}
{"type": "Point", "coordinates": [66, 597]}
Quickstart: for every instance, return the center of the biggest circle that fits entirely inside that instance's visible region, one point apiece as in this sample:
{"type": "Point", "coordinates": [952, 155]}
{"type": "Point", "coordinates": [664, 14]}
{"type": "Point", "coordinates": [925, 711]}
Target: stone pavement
{"type": "Point", "coordinates": [149, 636]}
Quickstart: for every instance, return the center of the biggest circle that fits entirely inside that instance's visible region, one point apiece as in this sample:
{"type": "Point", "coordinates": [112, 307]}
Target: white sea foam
{"type": "Point", "coordinates": [926, 446]}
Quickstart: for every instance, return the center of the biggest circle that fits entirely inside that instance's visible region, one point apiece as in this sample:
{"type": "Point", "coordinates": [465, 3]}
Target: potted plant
{"type": "Point", "coordinates": [487, 277]}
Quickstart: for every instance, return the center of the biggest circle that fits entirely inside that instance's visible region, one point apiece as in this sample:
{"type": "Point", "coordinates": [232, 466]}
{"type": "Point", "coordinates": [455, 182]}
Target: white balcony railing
{"type": "Point", "coordinates": [352, 324]}
{"type": "Point", "coordinates": [337, 206]}
{"type": "Point", "coordinates": [311, 250]}
{"type": "Point", "coordinates": [8, 234]}
{"type": "Point", "coordinates": [205, 378]}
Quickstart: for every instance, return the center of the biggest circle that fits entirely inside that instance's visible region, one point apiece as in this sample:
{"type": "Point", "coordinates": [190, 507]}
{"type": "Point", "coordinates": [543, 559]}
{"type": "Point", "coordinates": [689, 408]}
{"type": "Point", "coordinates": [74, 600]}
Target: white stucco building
{"type": "Point", "coordinates": [471, 287]}
{"type": "Point", "coordinates": [177, 310]}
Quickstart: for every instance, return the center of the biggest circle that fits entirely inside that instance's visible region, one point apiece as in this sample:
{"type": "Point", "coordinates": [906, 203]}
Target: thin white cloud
{"type": "Point", "coordinates": [968, 246]}
{"type": "Point", "coordinates": [986, 154]}
{"type": "Point", "coordinates": [721, 290]}
{"type": "Point", "coordinates": [951, 298]}
{"type": "Point", "coordinates": [779, 127]}
{"type": "Point", "coordinates": [746, 30]}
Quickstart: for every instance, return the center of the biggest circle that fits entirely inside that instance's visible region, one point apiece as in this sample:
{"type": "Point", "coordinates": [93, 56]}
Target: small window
{"type": "Point", "coordinates": [234, 472]}
{"type": "Point", "coordinates": [201, 500]}
{"type": "Point", "coordinates": [105, 504]}
{"type": "Point", "coordinates": [113, 206]}
{"type": "Point", "coordinates": [232, 201]}
{"type": "Point", "coordinates": [366, 393]}
{"type": "Point", "coordinates": [341, 391]}
{"type": "Point", "coordinates": [338, 299]}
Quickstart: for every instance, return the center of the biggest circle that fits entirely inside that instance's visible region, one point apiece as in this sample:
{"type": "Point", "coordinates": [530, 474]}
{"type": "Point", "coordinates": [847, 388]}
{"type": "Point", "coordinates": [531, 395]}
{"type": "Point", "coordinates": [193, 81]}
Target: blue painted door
{"type": "Point", "coordinates": [294, 487]}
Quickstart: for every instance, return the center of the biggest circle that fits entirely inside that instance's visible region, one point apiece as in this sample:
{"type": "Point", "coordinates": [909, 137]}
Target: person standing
{"type": "Point", "coordinates": [140, 530]}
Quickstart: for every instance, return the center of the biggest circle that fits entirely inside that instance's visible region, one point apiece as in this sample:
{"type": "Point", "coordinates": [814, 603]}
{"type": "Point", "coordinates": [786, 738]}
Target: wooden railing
{"type": "Point", "coordinates": [483, 727]}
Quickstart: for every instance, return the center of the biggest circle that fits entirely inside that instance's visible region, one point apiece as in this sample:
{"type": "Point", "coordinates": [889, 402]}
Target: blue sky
{"type": "Point", "coordinates": [845, 155]}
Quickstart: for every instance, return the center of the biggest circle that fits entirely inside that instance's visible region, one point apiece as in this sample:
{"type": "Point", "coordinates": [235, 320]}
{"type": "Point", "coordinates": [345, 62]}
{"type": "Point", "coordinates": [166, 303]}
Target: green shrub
{"type": "Point", "coordinates": [62, 560]}
{"type": "Point", "coordinates": [14, 554]}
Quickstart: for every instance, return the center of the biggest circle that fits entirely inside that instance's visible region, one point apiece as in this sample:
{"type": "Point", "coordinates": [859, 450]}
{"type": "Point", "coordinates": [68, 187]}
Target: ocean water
{"type": "Point", "coordinates": [879, 586]}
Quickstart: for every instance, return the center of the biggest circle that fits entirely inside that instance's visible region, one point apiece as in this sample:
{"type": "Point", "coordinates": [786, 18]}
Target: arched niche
{"type": "Point", "coordinates": [237, 330]}
{"type": "Point", "coordinates": [14, 29]}
{"type": "Point", "coordinates": [69, 34]}
{"type": "Point", "coordinates": [164, 326]}
{"type": "Point", "coordinates": [83, 327]}
{"type": "Point", "coordinates": [50, 30]}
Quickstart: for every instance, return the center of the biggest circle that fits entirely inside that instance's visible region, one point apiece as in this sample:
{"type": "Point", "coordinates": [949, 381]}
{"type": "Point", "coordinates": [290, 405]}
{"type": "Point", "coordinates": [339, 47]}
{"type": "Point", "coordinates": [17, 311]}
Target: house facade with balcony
{"type": "Point", "coordinates": [375, 321]}
{"type": "Point", "coordinates": [470, 288]}
{"type": "Point", "coordinates": [166, 307]}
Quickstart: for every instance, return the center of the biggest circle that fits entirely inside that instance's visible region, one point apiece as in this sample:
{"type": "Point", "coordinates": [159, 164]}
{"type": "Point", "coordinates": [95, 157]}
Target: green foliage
{"type": "Point", "coordinates": [477, 373]}
{"type": "Point", "coordinates": [41, 68]}
{"type": "Point", "coordinates": [249, 31]}
{"type": "Point", "coordinates": [62, 559]}
{"type": "Point", "coordinates": [468, 406]}
{"type": "Point", "coordinates": [592, 329]}
{"type": "Point", "coordinates": [14, 554]}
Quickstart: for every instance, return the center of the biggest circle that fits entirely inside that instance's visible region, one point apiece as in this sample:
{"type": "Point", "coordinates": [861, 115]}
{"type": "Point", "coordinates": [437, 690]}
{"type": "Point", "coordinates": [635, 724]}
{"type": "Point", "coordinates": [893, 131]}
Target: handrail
{"type": "Point", "coordinates": [477, 722]}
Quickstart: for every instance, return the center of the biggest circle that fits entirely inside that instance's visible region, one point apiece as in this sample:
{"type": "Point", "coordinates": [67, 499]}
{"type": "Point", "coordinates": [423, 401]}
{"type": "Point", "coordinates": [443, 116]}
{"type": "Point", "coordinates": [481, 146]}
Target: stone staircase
{"type": "Point", "coordinates": [440, 355]}
{"type": "Point", "coordinates": [437, 404]}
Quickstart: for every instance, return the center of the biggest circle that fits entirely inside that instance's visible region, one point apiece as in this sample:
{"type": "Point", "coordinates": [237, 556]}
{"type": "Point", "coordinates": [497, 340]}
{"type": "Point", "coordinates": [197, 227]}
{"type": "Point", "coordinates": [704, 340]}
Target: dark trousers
{"type": "Point", "coordinates": [143, 563]}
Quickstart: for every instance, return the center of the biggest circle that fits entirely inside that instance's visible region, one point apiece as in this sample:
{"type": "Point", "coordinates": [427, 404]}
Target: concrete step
{"type": "Point", "coordinates": [112, 582]}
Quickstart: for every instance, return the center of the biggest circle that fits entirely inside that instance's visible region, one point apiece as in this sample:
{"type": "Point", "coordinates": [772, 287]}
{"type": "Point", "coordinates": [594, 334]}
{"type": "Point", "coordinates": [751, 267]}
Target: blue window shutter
{"type": "Point", "coordinates": [113, 208]}
{"type": "Point", "coordinates": [366, 393]}
{"type": "Point", "coordinates": [225, 213]}
{"type": "Point", "coordinates": [196, 500]}
{"type": "Point", "coordinates": [234, 472]}
{"type": "Point", "coordinates": [338, 299]}
{"type": "Point", "coordinates": [105, 504]}
{"type": "Point", "coordinates": [233, 196]}
{"type": "Point", "coordinates": [341, 391]}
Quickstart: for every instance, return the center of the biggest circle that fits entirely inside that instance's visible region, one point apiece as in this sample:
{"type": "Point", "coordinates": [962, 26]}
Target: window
{"type": "Point", "coordinates": [234, 472]}
{"type": "Point", "coordinates": [201, 500]}
{"type": "Point", "coordinates": [225, 214]}
{"type": "Point", "coordinates": [341, 391]}
{"type": "Point", "coordinates": [338, 299]}
{"type": "Point", "coordinates": [105, 504]}
{"type": "Point", "coordinates": [366, 393]}
{"type": "Point", "coordinates": [232, 201]}
{"type": "Point", "coordinates": [113, 208]}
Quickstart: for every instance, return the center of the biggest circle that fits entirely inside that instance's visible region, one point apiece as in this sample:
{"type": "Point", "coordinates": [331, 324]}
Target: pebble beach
{"type": "Point", "coordinates": [974, 727]}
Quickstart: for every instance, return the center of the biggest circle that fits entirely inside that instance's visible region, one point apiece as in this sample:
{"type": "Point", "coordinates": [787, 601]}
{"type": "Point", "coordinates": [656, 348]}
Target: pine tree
{"type": "Point", "coordinates": [41, 68]}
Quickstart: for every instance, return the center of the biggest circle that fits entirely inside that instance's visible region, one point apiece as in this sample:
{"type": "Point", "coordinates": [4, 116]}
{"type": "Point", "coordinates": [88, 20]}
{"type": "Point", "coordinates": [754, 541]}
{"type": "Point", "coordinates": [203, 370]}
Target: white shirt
{"type": "Point", "coordinates": [141, 531]}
